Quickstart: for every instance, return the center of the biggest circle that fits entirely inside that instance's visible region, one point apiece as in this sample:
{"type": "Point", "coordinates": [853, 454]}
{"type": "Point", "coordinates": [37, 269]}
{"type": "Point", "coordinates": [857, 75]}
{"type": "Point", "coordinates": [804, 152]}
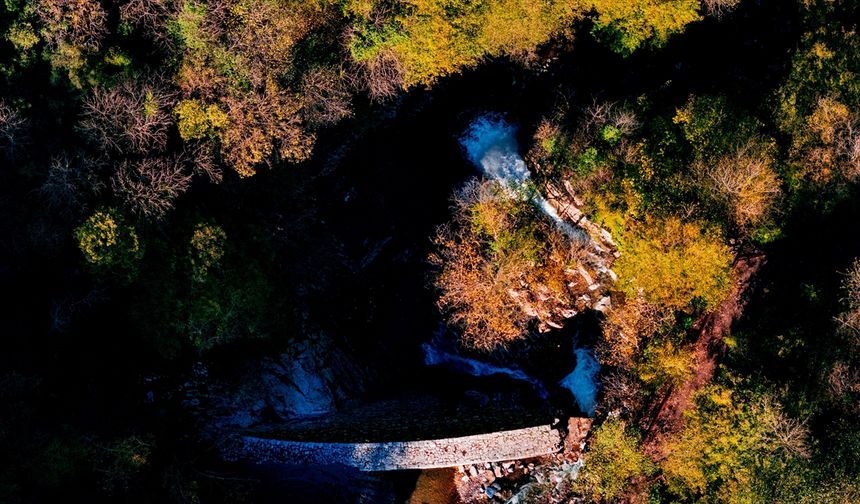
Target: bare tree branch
{"type": "Point", "coordinates": [13, 131]}
{"type": "Point", "coordinates": [71, 182]}
{"type": "Point", "coordinates": [326, 97]}
{"type": "Point", "coordinates": [150, 186]}
{"type": "Point", "coordinates": [132, 117]}
{"type": "Point", "coordinates": [719, 8]}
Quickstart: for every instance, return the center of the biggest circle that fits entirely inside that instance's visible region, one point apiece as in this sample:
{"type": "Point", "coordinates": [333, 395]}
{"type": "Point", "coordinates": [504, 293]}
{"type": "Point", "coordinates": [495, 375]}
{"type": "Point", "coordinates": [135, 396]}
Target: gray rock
{"type": "Point", "coordinates": [311, 379]}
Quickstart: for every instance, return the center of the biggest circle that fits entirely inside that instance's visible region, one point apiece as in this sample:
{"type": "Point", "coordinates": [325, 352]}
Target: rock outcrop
{"type": "Point", "coordinates": [313, 378]}
{"type": "Point", "coordinates": [587, 284]}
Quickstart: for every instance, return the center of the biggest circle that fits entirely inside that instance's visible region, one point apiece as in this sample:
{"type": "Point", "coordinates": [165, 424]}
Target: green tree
{"type": "Point", "coordinates": [627, 25]}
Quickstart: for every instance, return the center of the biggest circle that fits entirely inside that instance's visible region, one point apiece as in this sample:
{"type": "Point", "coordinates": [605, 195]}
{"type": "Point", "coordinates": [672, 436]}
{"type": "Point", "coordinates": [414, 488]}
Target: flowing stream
{"type": "Point", "coordinates": [490, 143]}
{"type": "Point", "coordinates": [436, 357]}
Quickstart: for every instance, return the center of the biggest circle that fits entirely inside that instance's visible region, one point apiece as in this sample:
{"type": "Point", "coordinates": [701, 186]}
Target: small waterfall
{"type": "Point", "coordinates": [490, 143]}
{"type": "Point", "coordinates": [436, 357]}
{"type": "Point", "coordinates": [582, 381]}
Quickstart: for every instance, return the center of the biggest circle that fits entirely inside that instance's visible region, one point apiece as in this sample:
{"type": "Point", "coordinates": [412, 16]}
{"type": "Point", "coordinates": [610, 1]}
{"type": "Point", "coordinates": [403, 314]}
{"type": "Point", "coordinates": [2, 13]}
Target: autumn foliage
{"type": "Point", "coordinates": [672, 264]}
{"type": "Point", "coordinates": [110, 245]}
{"type": "Point", "coordinates": [497, 246]}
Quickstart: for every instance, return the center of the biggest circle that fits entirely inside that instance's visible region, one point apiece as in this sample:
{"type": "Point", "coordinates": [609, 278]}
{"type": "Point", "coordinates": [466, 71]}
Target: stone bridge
{"type": "Point", "coordinates": [421, 454]}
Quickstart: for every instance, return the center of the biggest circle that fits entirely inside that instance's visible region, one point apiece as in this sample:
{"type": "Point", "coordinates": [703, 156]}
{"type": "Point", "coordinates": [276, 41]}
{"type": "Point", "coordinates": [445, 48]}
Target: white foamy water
{"type": "Point", "coordinates": [435, 357]}
{"type": "Point", "coordinates": [582, 381]}
{"type": "Point", "coordinates": [490, 143]}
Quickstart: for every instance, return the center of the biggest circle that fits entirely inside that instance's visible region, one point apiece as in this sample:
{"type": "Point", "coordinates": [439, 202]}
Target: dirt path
{"type": "Point", "coordinates": [667, 415]}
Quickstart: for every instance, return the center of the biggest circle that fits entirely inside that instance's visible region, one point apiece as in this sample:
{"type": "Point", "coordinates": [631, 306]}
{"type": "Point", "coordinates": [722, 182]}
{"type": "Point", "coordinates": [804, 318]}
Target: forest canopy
{"type": "Point", "coordinates": [207, 202]}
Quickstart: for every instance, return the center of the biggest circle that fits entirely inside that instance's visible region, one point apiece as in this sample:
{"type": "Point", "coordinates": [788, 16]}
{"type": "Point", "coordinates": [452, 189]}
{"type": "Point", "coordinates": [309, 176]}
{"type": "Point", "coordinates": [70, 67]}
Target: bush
{"type": "Point", "coordinates": [124, 463]}
{"type": "Point", "coordinates": [198, 120]}
{"type": "Point", "coordinates": [610, 134]}
{"type": "Point", "coordinates": [625, 326]}
{"type": "Point", "coordinates": [665, 363]}
{"type": "Point", "coordinates": [713, 127]}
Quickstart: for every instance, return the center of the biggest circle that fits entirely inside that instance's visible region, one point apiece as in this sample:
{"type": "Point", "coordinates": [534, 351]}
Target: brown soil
{"type": "Point", "coordinates": [435, 486]}
{"type": "Point", "coordinates": [667, 415]}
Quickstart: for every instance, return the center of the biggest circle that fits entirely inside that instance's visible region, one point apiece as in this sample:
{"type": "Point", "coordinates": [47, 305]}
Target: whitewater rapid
{"type": "Point", "coordinates": [582, 381]}
{"type": "Point", "coordinates": [490, 143]}
{"type": "Point", "coordinates": [436, 357]}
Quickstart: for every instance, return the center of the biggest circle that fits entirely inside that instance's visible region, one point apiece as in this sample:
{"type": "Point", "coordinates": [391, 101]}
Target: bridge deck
{"type": "Point", "coordinates": [422, 454]}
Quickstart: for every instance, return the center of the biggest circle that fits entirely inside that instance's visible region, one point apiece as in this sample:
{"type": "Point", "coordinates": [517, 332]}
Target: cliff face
{"type": "Point", "coordinates": [587, 284]}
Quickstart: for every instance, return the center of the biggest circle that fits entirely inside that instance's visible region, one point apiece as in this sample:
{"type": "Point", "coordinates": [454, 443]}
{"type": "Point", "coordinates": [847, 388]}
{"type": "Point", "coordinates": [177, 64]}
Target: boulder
{"type": "Point", "coordinates": [313, 378]}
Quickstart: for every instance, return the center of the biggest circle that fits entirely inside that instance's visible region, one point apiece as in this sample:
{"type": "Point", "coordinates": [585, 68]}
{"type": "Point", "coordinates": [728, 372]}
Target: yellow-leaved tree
{"type": "Point", "coordinates": [415, 42]}
{"type": "Point", "coordinates": [626, 25]}
{"type": "Point", "coordinates": [672, 263]}
{"type": "Point", "coordinates": [110, 245]}
{"type": "Point", "coordinates": [727, 437]}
